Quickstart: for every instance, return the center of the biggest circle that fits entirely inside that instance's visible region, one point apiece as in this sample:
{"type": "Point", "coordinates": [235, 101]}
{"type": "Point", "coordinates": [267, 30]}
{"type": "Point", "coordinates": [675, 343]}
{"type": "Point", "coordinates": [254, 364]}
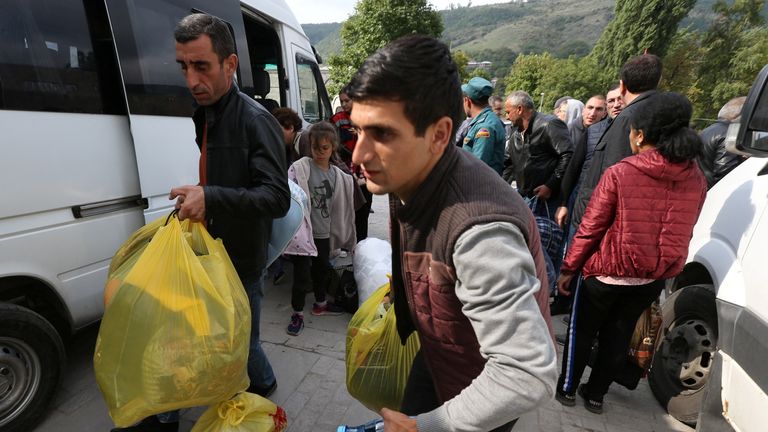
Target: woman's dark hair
{"type": "Point", "coordinates": [417, 71]}
{"type": "Point", "coordinates": [664, 120]}
{"type": "Point", "coordinates": [287, 118]}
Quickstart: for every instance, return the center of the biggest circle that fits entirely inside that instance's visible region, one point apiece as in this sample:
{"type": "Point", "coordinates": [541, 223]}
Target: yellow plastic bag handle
{"type": "Point", "coordinates": [232, 412]}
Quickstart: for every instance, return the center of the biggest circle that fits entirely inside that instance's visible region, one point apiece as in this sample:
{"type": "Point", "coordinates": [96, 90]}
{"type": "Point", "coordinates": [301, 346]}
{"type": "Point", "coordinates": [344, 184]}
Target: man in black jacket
{"type": "Point", "coordinates": [243, 183]}
{"type": "Point", "coordinates": [538, 152]}
{"type": "Point", "coordinates": [715, 161]}
{"type": "Point", "coordinates": [639, 78]}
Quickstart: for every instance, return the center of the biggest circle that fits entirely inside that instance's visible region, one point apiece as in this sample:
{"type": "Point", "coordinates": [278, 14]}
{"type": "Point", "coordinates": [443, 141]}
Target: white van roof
{"type": "Point", "coordinates": [276, 9]}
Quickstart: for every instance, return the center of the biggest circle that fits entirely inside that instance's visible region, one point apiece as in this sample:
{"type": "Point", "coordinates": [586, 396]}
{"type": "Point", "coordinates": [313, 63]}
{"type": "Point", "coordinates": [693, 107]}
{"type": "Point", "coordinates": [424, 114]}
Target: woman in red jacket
{"type": "Point", "coordinates": [634, 234]}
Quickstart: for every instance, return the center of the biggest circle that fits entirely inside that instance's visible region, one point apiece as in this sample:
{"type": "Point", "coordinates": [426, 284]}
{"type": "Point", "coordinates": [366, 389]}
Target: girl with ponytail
{"type": "Point", "coordinates": [634, 235]}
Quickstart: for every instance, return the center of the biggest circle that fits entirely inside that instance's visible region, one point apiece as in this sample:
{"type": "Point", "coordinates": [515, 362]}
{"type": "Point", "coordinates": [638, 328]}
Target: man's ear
{"type": "Point", "coordinates": [230, 64]}
{"type": "Point", "coordinates": [441, 135]}
{"type": "Point", "coordinates": [622, 88]}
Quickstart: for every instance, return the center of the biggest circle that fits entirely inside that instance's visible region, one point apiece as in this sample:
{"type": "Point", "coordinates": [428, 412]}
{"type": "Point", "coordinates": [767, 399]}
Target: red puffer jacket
{"type": "Point", "coordinates": [639, 220]}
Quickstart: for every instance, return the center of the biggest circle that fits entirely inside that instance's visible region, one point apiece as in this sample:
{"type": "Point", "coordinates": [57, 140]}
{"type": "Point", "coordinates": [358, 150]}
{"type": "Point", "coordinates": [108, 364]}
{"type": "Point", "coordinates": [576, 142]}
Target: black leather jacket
{"type": "Point", "coordinates": [539, 156]}
{"type": "Point", "coordinates": [715, 161]}
{"type": "Point", "coordinates": [247, 184]}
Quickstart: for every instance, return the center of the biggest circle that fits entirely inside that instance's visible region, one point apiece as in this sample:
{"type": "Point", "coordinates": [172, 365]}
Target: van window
{"type": "Point", "coordinates": [144, 36]}
{"type": "Point", "coordinates": [48, 61]}
{"type": "Point", "coordinates": [314, 106]}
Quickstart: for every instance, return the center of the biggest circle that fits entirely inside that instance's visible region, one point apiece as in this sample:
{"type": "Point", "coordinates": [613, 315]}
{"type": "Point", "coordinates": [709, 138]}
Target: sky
{"type": "Point", "coordinates": [325, 11]}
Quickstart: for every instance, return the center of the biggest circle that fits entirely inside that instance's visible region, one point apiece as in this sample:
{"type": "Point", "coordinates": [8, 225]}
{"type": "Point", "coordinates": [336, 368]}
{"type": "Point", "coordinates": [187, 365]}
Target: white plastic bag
{"type": "Point", "coordinates": [372, 263]}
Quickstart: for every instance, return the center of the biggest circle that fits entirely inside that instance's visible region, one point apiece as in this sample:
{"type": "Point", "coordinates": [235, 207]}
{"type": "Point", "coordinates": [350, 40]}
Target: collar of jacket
{"type": "Point", "coordinates": [214, 111]}
{"type": "Point", "coordinates": [423, 198]}
{"type": "Point", "coordinates": [640, 97]}
{"type": "Point", "coordinates": [480, 116]}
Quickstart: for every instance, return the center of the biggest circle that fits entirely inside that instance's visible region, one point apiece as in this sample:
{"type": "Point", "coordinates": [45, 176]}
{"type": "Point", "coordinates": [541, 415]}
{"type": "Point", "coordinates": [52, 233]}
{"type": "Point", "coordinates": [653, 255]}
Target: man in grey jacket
{"type": "Point", "coordinates": [467, 265]}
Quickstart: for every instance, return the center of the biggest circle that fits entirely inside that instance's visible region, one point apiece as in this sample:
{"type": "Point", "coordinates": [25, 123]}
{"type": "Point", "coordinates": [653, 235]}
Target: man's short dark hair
{"type": "Point", "coordinates": [614, 85]}
{"type": "Point", "coordinates": [418, 71]}
{"type": "Point", "coordinates": [191, 27]}
{"type": "Point", "coordinates": [642, 73]}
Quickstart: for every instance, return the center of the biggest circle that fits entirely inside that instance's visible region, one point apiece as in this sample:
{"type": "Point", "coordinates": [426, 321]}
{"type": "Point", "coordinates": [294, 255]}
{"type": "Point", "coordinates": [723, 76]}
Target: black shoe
{"type": "Point", "coordinates": [565, 399]}
{"type": "Point", "coordinates": [150, 424]}
{"type": "Point", "coordinates": [263, 392]}
{"type": "Point", "coordinates": [560, 339]}
{"type": "Point", "coordinates": [592, 405]}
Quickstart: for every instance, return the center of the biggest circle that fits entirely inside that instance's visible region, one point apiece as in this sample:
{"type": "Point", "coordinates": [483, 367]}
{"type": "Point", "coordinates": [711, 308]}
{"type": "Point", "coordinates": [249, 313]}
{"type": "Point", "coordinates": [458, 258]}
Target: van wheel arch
{"type": "Point", "coordinates": [36, 295]}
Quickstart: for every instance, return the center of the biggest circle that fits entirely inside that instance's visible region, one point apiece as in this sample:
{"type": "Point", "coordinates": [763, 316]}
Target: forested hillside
{"type": "Point", "coordinates": [499, 32]}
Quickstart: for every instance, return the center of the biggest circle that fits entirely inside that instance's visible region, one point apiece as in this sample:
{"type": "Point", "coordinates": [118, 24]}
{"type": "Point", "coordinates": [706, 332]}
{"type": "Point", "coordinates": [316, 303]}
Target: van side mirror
{"type": "Point", "coordinates": [751, 136]}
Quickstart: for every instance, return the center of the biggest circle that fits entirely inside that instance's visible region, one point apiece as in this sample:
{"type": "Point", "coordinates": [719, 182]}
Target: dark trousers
{"type": "Point", "coordinates": [420, 395]}
{"type": "Point", "coordinates": [362, 214]}
{"type": "Point", "coordinates": [311, 271]}
{"type": "Point", "coordinates": [609, 312]}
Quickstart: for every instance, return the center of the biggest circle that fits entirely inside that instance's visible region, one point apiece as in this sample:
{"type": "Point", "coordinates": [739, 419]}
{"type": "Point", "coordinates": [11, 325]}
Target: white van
{"type": "Point", "coordinates": [711, 367]}
{"type": "Point", "coordinates": [96, 128]}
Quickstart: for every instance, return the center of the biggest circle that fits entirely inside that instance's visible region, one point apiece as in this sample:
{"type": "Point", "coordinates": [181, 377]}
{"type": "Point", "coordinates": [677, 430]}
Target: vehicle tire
{"type": "Point", "coordinates": [31, 363]}
{"type": "Point", "coordinates": [683, 359]}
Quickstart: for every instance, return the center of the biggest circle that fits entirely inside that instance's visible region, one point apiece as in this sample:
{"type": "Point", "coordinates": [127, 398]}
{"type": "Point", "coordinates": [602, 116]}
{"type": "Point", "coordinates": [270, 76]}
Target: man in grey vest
{"type": "Point", "coordinates": [467, 265]}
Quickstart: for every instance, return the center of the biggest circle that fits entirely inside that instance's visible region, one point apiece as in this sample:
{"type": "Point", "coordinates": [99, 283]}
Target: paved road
{"type": "Point", "coordinates": [310, 372]}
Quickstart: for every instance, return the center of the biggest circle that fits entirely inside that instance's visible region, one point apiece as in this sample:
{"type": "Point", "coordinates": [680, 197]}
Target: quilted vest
{"type": "Point", "coordinates": [461, 191]}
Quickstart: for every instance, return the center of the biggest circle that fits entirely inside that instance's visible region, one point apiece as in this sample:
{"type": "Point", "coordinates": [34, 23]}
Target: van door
{"type": "Point", "coordinates": [313, 98]}
{"type": "Point", "coordinates": [159, 104]}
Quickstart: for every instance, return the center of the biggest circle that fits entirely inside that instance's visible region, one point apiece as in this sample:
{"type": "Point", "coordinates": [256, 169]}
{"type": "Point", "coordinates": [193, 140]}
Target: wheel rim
{"type": "Point", "coordinates": [20, 374]}
{"type": "Point", "coordinates": [687, 353]}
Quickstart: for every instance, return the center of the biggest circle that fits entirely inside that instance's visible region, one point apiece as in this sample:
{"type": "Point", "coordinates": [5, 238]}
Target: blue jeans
{"type": "Point", "coordinates": [259, 370]}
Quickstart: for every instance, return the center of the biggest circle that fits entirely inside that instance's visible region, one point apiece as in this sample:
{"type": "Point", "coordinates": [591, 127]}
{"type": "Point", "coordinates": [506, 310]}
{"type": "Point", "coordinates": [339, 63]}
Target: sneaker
{"type": "Point", "coordinates": [264, 392]}
{"type": "Point", "coordinates": [326, 309]}
{"type": "Point", "coordinates": [565, 399]}
{"type": "Point", "coordinates": [296, 325]}
{"type": "Point", "coordinates": [150, 424]}
{"type": "Point", "coordinates": [592, 405]}
{"type": "Point", "coordinates": [279, 277]}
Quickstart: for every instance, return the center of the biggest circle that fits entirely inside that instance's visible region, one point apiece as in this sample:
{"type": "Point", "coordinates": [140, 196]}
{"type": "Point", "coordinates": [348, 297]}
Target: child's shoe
{"type": "Point", "coordinates": [326, 309]}
{"type": "Point", "coordinates": [296, 325]}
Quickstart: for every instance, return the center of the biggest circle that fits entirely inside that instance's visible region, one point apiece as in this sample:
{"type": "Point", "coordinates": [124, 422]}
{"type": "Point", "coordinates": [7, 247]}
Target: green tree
{"type": "Point", "coordinates": [744, 66]}
{"type": "Point", "coordinates": [461, 59]}
{"type": "Point", "coordinates": [374, 24]}
{"type": "Point", "coordinates": [542, 73]}
{"type": "Point", "coordinates": [725, 37]}
{"type": "Point", "coordinates": [639, 25]}
{"type": "Point", "coordinates": [480, 72]}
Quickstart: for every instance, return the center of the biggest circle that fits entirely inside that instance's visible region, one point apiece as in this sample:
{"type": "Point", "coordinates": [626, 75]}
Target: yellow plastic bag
{"type": "Point", "coordinates": [377, 363]}
{"type": "Point", "coordinates": [175, 334]}
{"type": "Point", "coordinates": [245, 412]}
